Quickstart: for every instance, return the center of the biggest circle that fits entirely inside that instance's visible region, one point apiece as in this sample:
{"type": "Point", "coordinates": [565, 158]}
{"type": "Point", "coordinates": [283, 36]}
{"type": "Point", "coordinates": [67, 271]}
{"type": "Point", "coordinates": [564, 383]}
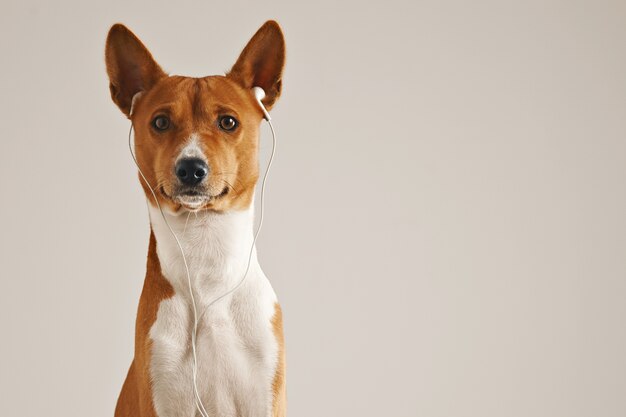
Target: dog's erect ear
{"type": "Point", "coordinates": [130, 66]}
{"type": "Point", "coordinates": [261, 62]}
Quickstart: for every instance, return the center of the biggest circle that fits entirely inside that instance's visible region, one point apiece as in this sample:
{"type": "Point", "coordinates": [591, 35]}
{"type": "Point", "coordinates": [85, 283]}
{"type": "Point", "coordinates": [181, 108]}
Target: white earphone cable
{"type": "Point", "coordinates": [256, 234]}
{"type": "Point", "coordinates": [199, 404]}
{"type": "Point", "coordinates": [196, 318]}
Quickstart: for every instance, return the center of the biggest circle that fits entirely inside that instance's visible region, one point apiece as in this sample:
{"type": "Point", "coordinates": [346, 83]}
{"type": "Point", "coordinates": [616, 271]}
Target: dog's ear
{"type": "Point", "coordinates": [261, 62]}
{"type": "Point", "coordinates": [130, 66]}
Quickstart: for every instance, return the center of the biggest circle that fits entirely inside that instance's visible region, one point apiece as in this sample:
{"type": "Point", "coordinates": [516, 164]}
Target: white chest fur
{"type": "Point", "coordinates": [236, 348]}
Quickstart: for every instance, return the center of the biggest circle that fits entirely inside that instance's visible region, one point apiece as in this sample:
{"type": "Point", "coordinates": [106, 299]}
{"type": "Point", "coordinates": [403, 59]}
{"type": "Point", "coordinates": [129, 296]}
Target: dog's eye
{"type": "Point", "coordinates": [228, 123]}
{"type": "Point", "coordinates": [161, 123]}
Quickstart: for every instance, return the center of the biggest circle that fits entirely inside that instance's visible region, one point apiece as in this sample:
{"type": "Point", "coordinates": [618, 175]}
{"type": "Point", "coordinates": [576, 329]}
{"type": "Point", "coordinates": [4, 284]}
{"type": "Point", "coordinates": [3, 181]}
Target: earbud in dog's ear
{"type": "Point", "coordinates": [259, 94]}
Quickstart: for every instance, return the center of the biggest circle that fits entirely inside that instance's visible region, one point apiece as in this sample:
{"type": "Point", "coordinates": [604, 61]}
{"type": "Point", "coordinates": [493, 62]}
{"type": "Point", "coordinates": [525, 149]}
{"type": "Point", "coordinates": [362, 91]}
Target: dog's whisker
{"type": "Point", "coordinates": [232, 187]}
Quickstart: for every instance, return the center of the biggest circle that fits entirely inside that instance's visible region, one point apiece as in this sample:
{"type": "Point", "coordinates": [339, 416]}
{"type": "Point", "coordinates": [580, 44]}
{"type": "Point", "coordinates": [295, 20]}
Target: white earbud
{"type": "Point", "coordinates": [259, 94]}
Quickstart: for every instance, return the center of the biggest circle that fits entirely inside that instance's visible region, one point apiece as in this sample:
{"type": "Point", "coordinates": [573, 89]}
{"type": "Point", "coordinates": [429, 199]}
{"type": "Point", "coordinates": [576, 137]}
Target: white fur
{"type": "Point", "coordinates": [192, 148]}
{"type": "Point", "coordinates": [237, 349]}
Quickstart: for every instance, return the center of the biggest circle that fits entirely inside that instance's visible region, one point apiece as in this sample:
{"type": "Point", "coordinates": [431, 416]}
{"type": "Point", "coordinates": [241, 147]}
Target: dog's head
{"type": "Point", "coordinates": [196, 139]}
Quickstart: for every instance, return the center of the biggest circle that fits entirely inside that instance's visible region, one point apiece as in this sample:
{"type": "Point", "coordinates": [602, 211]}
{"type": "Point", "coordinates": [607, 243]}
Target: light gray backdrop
{"type": "Point", "coordinates": [445, 221]}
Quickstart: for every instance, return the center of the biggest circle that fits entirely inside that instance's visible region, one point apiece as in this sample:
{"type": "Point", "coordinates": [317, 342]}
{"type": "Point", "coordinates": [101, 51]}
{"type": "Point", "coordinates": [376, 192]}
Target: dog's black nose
{"type": "Point", "coordinates": [191, 171]}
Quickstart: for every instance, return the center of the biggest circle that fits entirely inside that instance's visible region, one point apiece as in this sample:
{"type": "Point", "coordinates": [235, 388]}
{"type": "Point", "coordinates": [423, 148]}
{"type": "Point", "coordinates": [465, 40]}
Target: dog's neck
{"type": "Point", "coordinates": [216, 246]}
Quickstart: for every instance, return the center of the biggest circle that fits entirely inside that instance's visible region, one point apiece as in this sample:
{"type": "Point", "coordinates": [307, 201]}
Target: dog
{"type": "Point", "coordinates": [197, 143]}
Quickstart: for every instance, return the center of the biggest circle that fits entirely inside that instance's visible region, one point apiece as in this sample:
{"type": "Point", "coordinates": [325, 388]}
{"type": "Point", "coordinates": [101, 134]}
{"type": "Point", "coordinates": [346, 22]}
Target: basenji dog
{"type": "Point", "coordinates": [197, 143]}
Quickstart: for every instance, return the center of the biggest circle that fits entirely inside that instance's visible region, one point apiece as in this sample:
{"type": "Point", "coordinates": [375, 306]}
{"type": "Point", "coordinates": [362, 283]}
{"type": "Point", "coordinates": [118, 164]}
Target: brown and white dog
{"type": "Point", "coordinates": [197, 141]}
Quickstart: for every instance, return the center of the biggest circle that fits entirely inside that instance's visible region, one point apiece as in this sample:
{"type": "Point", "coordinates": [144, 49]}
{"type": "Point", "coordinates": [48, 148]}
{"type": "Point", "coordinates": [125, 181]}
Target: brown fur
{"type": "Point", "coordinates": [136, 396]}
{"type": "Point", "coordinates": [193, 105]}
{"type": "Point", "coordinates": [279, 403]}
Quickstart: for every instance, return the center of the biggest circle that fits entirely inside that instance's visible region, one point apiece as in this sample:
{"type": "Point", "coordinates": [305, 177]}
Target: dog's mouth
{"type": "Point", "coordinates": [193, 199]}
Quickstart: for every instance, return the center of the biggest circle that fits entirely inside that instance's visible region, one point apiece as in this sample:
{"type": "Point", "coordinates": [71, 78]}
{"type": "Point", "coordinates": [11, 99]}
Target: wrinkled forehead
{"type": "Point", "coordinates": [197, 98]}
